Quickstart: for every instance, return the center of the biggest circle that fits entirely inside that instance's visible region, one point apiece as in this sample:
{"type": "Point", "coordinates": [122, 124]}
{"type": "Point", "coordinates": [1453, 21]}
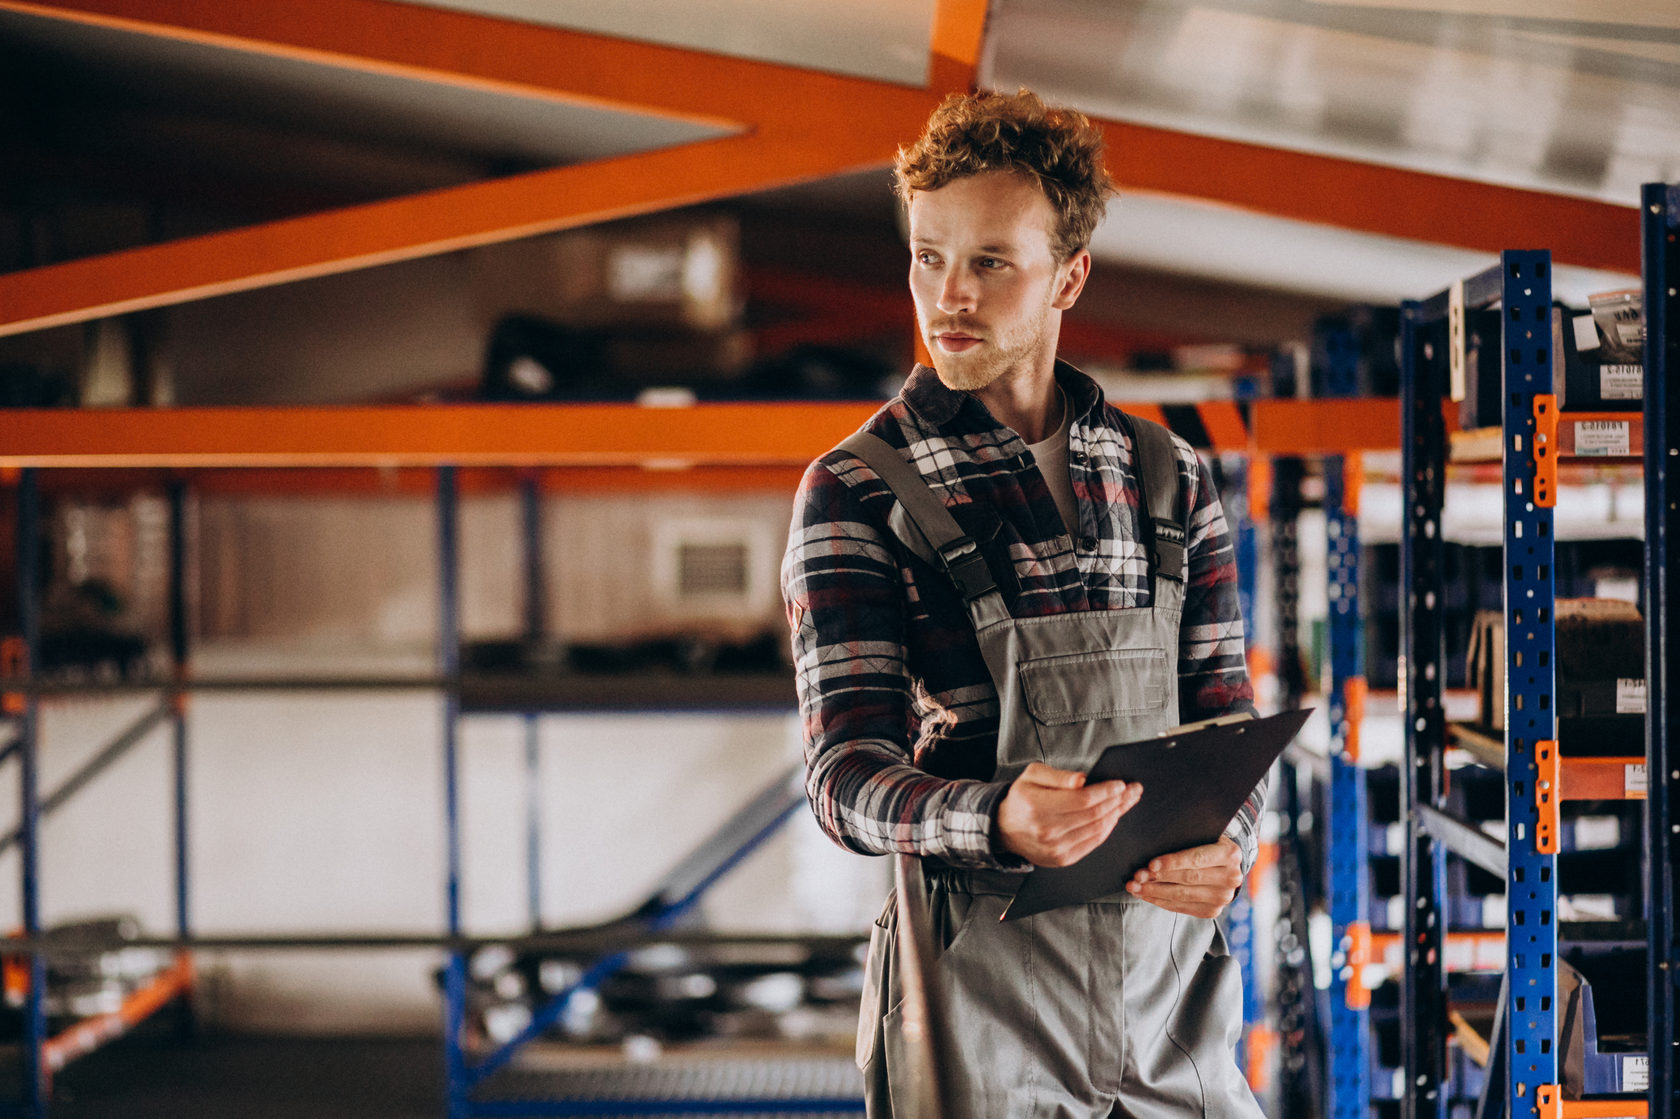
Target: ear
{"type": "Point", "coordinates": [1073, 274]}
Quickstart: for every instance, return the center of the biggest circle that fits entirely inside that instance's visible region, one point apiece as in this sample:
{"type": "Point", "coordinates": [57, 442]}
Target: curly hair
{"type": "Point", "coordinates": [1058, 148]}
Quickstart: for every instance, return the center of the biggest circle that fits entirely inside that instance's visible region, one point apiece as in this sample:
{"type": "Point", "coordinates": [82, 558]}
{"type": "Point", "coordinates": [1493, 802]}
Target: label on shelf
{"type": "Point", "coordinates": [1597, 833]}
{"type": "Point", "coordinates": [1630, 696]}
{"type": "Point", "coordinates": [1636, 1074]}
{"type": "Point", "coordinates": [1635, 781]}
{"type": "Point", "coordinates": [1603, 437]}
{"type": "Point", "coordinates": [1621, 382]}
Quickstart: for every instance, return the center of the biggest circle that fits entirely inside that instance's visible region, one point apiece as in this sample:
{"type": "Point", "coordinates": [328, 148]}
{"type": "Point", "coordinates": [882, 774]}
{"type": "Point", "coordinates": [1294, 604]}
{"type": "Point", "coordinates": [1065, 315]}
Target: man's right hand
{"type": "Point", "coordinates": [1050, 817]}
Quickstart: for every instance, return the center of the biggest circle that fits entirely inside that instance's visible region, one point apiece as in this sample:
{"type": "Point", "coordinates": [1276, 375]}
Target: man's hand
{"type": "Point", "coordinates": [1050, 817]}
{"type": "Point", "coordinates": [1199, 882]}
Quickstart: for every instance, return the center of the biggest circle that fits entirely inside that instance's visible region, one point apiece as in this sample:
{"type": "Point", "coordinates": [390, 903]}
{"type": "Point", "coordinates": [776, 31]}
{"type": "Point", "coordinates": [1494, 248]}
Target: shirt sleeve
{"type": "Point", "coordinates": [846, 607]}
{"type": "Point", "coordinates": [1212, 661]}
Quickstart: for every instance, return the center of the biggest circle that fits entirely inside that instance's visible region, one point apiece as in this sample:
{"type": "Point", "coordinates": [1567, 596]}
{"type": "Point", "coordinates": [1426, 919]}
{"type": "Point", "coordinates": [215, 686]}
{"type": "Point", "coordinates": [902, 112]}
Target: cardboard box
{"type": "Point", "coordinates": [1600, 672]}
{"type": "Point", "coordinates": [1588, 374]}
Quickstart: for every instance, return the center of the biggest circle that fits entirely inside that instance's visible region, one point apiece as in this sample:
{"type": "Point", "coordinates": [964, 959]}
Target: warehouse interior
{"type": "Point", "coordinates": [400, 410]}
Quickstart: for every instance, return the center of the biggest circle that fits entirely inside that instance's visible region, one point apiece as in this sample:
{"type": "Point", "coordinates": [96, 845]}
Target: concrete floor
{"type": "Point", "coordinates": [154, 1076]}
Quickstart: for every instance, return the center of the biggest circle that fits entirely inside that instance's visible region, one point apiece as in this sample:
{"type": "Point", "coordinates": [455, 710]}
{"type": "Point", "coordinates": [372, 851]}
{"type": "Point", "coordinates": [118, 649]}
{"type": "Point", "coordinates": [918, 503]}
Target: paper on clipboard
{"type": "Point", "coordinates": [1194, 779]}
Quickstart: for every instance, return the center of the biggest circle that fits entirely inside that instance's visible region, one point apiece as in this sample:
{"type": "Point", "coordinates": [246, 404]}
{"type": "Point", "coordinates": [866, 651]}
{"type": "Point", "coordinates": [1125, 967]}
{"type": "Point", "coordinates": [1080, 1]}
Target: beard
{"type": "Point", "coordinates": [999, 353]}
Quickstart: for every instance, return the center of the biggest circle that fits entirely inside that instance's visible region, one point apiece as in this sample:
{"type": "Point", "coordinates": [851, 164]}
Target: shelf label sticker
{"type": "Point", "coordinates": [1602, 437]}
{"type": "Point", "coordinates": [1630, 696]}
{"type": "Point", "coordinates": [1636, 1074]}
{"type": "Point", "coordinates": [1635, 782]}
{"type": "Point", "coordinates": [1621, 382]}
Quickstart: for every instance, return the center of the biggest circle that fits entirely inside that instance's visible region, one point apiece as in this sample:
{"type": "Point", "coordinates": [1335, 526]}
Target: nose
{"type": "Point", "coordinates": [956, 292]}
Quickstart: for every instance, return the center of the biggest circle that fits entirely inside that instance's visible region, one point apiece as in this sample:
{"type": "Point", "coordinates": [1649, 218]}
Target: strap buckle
{"type": "Point", "coordinates": [967, 567]}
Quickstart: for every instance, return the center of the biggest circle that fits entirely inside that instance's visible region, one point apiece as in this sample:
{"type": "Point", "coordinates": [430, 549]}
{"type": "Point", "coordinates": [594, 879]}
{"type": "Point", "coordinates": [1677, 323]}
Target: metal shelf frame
{"type": "Point", "coordinates": [1660, 214]}
{"type": "Point", "coordinates": [43, 1054]}
{"type": "Point", "coordinates": [1524, 1076]}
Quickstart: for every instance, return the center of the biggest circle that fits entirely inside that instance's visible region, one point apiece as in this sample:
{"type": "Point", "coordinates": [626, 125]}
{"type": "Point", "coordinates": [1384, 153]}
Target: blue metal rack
{"type": "Point", "coordinates": [1660, 213]}
{"type": "Point", "coordinates": [1349, 881]}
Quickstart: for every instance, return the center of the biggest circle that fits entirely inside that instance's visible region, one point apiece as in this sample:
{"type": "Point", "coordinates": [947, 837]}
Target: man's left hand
{"type": "Point", "coordinates": [1200, 881]}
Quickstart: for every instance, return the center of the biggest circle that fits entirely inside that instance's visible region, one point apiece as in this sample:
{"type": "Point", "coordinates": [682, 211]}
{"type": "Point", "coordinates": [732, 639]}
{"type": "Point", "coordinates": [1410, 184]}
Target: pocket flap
{"type": "Point", "coordinates": [1079, 687]}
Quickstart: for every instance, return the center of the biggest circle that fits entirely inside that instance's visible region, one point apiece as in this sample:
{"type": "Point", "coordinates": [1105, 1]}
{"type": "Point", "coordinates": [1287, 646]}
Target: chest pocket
{"type": "Point", "coordinates": [1100, 684]}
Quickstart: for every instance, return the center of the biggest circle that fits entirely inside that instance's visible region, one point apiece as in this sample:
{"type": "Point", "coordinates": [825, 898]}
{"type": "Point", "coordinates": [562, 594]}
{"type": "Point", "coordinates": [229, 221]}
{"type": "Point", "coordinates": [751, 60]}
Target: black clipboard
{"type": "Point", "coordinates": [1194, 777]}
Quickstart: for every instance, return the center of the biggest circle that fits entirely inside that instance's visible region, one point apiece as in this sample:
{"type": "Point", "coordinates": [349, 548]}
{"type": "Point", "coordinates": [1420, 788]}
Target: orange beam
{"type": "Point", "coordinates": [90, 1034]}
{"type": "Point", "coordinates": [1601, 779]}
{"type": "Point", "coordinates": [429, 435]}
{"type": "Point", "coordinates": [1325, 427]}
{"type": "Point", "coordinates": [1363, 196]}
{"type": "Point", "coordinates": [507, 56]}
{"type": "Point", "coordinates": [959, 33]}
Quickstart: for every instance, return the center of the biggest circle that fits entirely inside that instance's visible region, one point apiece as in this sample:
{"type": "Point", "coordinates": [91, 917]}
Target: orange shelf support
{"type": "Point", "coordinates": [581, 435]}
{"type": "Point", "coordinates": [1358, 959]}
{"type": "Point", "coordinates": [88, 1035]}
{"type": "Point", "coordinates": [1325, 427]}
{"type": "Point", "coordinates": [1545, 450]}
{"type": "Point", "coordinates": [1602, 779]}
{"type": "Point", "coordinates": [1552, 1105]}
{"type": "Point", "coordinates": [1546, 797]}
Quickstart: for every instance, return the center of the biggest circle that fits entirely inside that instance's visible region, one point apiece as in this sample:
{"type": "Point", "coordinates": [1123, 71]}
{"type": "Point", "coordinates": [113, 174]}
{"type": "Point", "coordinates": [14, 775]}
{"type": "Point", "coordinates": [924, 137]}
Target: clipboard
{"type": "Point", "coordinates": [1194, 778]}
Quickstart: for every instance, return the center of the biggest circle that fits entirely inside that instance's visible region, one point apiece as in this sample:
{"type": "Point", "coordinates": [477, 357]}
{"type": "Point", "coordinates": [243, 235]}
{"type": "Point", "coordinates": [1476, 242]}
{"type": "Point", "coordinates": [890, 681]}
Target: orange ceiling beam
{"type": "Point", "coordinates": [793, 125]}
{"type": "Point", "coordinates": [1362, 196]}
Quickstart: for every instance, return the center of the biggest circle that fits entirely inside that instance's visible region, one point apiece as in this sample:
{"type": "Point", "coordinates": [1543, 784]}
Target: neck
{"type": "Point", "coordinates": [1031, 406]}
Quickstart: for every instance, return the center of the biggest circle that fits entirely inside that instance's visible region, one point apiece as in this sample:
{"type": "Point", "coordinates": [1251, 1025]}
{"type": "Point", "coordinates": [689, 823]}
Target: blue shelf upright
{"type": "Point", "coordinates": [1660, 213]}
{"type": "Point", "coordinates": [1347, 876]}
{"type": "Point", "coordinates": [1531, 758]}
{"type": "Point", "coordinates": [1349, 879]}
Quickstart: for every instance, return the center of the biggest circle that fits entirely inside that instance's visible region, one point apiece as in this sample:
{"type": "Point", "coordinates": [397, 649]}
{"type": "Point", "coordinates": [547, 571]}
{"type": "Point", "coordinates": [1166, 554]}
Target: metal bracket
{"type": "Point", "coordinates": [1547, 796]}
{"type": "Point", "coordinates": [14, 665]}
{"type": "Point", "coordinates": [1358, 958]}
{"type": "Point", "coordinates": [1545, 450]}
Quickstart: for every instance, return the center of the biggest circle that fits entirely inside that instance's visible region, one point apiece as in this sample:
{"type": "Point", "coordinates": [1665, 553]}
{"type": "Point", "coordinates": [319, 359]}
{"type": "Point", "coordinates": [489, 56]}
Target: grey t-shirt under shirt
{"type": "Point", "coordinates": [1052, 459]}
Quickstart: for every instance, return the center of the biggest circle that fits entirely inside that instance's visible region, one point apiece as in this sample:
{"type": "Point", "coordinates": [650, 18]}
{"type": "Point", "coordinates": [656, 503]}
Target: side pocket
{"type": "Point", "coordinates": [877, 984]}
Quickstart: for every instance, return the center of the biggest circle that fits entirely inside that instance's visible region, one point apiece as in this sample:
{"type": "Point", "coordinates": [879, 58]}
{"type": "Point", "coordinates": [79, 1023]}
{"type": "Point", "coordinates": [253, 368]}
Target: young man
{"type": "Point", "coordinates": [1009, 577]}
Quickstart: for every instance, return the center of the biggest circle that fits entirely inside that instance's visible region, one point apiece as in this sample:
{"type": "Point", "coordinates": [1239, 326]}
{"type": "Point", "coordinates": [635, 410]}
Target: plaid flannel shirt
{"type": "Point", "coordinates": [900, 714]}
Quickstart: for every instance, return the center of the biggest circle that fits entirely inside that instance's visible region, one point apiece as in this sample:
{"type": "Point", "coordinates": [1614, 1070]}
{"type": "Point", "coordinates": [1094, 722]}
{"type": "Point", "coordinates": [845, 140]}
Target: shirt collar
{"type": "Point", "coordinates": [930, 399]}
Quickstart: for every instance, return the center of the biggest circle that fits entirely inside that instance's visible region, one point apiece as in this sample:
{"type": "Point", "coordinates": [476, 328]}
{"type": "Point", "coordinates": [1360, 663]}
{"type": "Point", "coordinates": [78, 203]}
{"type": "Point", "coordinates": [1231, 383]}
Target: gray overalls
{"type": "Point", "coordinates": [1116, 1008]}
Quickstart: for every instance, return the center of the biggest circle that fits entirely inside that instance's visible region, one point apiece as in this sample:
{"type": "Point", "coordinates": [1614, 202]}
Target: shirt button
{"type": "Point", "coordinates": [1087, 543]}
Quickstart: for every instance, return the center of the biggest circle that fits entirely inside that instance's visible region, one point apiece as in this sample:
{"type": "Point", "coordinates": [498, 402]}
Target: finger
{"type": "Point", "coordinates": [1194, 903]}
{"type": "Point", "coordinates": [1049, 777]}
{"type": "Point", "coordinates": [1228, 877]}
{"type": "Point", "coordinates": [1076, 844]}
{"type": "Point", "coordinates": [1211, 854]}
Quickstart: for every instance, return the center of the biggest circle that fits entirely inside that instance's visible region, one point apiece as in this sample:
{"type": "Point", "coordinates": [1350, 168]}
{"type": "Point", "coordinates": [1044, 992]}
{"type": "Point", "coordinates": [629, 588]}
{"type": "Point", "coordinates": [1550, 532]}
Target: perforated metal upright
{"type": "Point", "coordinates": [1349, 879]}
{"type": "Point", "coordinates": [1423, 451]}
{"type": "Point", "coordinates": [1531, 1013]}
{"type": "Point", "coordinates": [1660, 212]}
{"type": "Point", "coordinates": [1336, 355]}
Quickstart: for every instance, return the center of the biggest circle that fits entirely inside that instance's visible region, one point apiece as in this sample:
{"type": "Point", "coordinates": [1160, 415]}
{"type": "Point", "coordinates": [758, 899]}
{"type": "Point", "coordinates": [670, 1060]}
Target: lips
{"type": "Point", "coordinates": [955, 341]}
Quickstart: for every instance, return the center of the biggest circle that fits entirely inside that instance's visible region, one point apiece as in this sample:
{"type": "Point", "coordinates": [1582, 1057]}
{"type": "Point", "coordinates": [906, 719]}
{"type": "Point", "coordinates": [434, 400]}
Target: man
{"type": "Point", "coordinates": [1010, 576]}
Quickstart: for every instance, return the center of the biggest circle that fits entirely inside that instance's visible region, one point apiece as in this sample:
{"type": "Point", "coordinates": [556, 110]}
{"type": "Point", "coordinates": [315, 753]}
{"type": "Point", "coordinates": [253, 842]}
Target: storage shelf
{"type": "Point", "coordinates": [1583, 438]}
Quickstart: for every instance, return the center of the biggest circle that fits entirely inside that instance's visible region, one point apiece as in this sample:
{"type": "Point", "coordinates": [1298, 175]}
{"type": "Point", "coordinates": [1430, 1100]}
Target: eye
{"type": "Point", "coordinates": [991, 263]}
{"type": "Point", "coordinates": [926, 257]}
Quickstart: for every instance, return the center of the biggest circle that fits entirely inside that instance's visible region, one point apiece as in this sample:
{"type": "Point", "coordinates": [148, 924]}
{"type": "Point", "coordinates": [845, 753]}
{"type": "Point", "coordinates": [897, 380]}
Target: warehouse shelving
{"type": "Point", "coordinates": [1526, 1060]}
{"type": "Point", "coordinates": [615, 447]}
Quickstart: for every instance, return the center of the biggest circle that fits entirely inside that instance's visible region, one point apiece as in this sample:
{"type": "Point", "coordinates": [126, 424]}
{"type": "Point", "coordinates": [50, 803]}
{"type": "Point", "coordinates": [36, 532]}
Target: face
{"type": "Point", "coordinates": [989, 290]}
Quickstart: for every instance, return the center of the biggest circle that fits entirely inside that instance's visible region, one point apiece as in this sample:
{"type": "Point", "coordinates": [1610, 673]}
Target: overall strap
{"type": "Point", "coordinates": [957, 552]}
{"type": "Point", "coordinates": [1158, 469]}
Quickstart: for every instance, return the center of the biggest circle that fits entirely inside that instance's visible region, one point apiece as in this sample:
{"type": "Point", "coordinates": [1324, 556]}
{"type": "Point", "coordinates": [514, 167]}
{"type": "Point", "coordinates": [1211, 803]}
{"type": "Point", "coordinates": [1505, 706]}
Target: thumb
{"type": "Point", "coordinates": [1048, 776]}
